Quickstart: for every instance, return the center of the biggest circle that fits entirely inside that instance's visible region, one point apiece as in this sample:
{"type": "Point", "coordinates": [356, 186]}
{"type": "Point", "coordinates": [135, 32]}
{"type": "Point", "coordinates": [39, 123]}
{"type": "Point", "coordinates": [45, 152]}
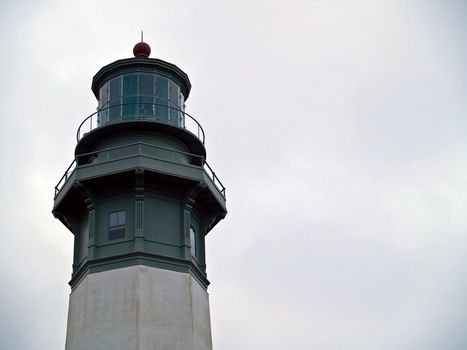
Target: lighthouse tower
{"type": "Point", "coordinates": [139, 198]}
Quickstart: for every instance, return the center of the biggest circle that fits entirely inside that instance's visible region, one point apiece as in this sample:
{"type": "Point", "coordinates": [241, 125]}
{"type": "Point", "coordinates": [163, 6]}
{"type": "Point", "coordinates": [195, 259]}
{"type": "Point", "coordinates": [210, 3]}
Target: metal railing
{"type": "Point", "coordinates": [141, 112]}
{"type": "Point", "coordinates": [90, 158]}
{"type": "Point", "coordinates": [215, 180]}
{"type": "Point", "coordinates": [68, 172]}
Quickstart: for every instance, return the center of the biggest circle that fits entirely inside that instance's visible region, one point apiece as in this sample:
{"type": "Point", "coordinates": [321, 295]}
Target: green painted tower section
{"type": "Point", "coordinates": [139, 191]}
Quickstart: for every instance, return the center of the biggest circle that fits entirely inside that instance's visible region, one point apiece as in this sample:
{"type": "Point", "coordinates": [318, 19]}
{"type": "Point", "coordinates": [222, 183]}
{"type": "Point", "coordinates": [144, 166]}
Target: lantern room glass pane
{"type": "Point", "coordinates": [146, 95]}
{"type": "Point", "coordinates": [146, 84]}
{"type": "Point", "coordinates": [174, 110]}
{"type": "Point", "coordinates": [130, 86]}
{"type": "Point", "coordinates": [103, 95]}
{"type": "Point", "coordinates": [146, 106]}
{"type": "Point", "coordinates": [114, 99]}
{"type": "Point", "coordinates": [103, 100]}
{"type": "Point", "coordinates": [162, 99]}
{"type": "Point", "coordinates": [114, 88]}
{"type": "Point", "coordinates": [181, 104]}
{"type": "Point", "coordinates": [141, 95]}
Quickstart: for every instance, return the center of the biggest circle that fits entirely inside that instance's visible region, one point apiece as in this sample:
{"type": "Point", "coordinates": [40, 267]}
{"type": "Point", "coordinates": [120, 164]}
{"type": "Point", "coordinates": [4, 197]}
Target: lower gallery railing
{"type": "Point", "coordinates": [141, 148]}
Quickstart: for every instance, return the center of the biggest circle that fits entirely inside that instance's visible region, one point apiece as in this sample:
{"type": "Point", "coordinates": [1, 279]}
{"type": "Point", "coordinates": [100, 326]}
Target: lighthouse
{"type": "Point", "coordinates": [139, 199]}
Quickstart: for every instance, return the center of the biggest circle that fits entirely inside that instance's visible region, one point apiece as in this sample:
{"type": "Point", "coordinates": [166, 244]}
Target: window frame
{"type": "Point", "coordinates": [118, 230]}
{"type": "Point", "coordinates": [193, 240]}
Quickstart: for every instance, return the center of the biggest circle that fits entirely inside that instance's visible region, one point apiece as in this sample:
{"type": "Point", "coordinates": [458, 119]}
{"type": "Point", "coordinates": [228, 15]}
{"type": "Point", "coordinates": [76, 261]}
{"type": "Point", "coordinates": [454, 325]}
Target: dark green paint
{"type": "Point", "coordinates": [154, 173]}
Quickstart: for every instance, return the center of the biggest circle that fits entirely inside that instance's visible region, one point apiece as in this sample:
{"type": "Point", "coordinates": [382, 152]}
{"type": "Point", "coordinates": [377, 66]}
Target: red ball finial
{"type": "Point", "coordinates": [142, 50]}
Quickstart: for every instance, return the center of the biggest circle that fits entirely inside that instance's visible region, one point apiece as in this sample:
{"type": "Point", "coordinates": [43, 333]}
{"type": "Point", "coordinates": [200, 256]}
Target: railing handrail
{"type": "Point", "coordinates": [136, 144]}
{"type": "Point", "coordinates": [140, 117]}
{"type": "Point", "coordinates": [65, 177]}
{"type": "Point", "coordinates": [211, 174]}
{"type": "Point", "coordinates": [214, 178]}
{"type": "Point", "coordinates": [137, 95]}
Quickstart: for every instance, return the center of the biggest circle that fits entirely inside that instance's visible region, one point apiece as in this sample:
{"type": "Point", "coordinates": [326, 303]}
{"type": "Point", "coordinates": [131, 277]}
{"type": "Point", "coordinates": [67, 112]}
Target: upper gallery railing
{"type": "Point", "coordinates": [156, 112]}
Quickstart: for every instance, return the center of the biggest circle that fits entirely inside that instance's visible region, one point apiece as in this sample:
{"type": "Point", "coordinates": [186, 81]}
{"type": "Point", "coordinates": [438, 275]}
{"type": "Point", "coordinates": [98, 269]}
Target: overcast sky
{"type": "Point", "coordinates": [338, 127]}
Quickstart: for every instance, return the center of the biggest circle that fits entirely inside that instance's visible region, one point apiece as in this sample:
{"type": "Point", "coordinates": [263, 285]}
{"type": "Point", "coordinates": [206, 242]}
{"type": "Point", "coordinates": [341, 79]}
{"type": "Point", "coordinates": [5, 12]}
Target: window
{"type": "Point", "coordinates": [192, 241]}
{"type": "Point", "coordinates": [117, 221]}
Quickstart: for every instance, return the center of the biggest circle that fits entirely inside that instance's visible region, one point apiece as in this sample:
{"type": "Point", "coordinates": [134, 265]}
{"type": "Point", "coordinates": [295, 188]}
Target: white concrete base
{"type": "Point", "coordinates": [138, 308]}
